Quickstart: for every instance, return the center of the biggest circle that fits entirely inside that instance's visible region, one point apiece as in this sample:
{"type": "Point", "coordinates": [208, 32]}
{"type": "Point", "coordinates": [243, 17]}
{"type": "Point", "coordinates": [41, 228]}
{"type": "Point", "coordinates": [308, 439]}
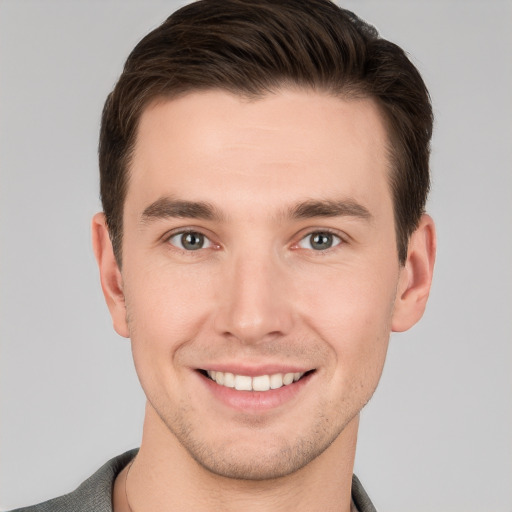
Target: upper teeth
{"type": "Point", "coordinates": [259, 383]}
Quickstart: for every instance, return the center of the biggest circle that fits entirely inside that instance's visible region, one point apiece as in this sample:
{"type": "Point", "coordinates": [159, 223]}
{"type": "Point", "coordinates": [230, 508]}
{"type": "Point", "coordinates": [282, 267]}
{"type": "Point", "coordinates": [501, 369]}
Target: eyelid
{"type": "Point", "coordinates": [342, 237]}
{"type": "Point", "coordinates": [184, 230]}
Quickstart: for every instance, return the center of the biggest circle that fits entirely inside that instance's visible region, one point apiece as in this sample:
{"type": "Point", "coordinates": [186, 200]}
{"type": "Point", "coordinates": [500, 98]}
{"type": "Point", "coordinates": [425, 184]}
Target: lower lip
{"type": "Point", "coordinates": [256, 401]}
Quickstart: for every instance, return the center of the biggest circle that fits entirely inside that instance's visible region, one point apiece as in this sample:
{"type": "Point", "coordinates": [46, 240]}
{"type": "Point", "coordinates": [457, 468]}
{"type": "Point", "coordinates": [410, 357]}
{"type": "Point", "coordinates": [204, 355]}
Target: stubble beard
{"type": "Point", "coordinates": [278, 457]}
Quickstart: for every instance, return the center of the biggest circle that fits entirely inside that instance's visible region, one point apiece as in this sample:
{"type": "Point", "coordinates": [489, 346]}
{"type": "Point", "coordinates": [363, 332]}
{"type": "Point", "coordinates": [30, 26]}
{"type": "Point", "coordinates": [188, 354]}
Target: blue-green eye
{"type": "Point", "coordinates": [190, 241]}
{"type": "Point", "coordinates": [320, 241]}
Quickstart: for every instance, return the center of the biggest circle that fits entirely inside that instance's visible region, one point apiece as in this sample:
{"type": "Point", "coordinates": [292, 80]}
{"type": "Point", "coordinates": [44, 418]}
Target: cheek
{"type": "Point", "coordinates": [352, 313]}
{"type": "Point", "coordinates": [164, 313]}
{"type": "Point", "coordinates": [166, 306]}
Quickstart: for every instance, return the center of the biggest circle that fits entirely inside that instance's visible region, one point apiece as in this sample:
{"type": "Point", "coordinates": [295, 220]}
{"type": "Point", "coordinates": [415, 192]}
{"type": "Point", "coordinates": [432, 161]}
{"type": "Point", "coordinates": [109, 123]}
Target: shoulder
{"type": "Point", "coordinates": [93, 494]}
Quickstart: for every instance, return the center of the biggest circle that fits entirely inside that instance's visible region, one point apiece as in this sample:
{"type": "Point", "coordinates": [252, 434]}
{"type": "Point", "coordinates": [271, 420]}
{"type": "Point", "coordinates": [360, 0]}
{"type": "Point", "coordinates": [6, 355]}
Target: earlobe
{"type": "Point", "coordinates": [110, 274]}
{"type": "Point", "coordinates": [416, 276]}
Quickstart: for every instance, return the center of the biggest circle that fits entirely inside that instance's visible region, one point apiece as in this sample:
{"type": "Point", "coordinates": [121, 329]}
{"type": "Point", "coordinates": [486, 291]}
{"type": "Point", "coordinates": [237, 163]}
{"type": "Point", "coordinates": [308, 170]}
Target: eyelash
{"type": "Point", "coordinates": [212, 245]}
{"type": "Point", "coordinates": [328, 232]}
{"type": "Point", "coordinates": [182, 233]}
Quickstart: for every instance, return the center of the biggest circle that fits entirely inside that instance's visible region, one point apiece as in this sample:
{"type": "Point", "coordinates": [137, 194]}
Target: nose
{"type": "Point", "coordinates": [254, 304]}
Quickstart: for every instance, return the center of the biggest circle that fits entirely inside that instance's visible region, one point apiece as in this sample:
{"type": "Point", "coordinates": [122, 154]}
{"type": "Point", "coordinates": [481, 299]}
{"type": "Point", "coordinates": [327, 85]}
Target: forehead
{"type": "Point", "coordinates": [270, 150]}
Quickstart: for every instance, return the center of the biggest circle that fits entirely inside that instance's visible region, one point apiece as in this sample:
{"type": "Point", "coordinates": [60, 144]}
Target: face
{"type": "Point", "coordinates": [260, 273]}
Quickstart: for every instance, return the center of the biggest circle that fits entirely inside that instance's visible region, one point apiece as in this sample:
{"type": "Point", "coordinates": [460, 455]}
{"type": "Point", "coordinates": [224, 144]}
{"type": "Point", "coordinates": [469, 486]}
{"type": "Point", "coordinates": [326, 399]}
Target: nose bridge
{"type": "Point", "coordinates": [253, 305]}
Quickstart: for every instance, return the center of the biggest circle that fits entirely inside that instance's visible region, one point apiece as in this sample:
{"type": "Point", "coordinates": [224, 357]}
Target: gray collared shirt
{"type": "Point", "coordinates": [95, 494]}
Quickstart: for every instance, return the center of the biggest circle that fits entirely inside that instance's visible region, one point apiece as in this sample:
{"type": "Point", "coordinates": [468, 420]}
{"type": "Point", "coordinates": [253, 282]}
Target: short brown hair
{"type": "Point", "coordinates": [253, 47]}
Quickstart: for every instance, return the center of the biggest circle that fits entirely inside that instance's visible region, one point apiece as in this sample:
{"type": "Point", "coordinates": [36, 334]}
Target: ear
{"type": "Point", "coordinates": [415, 276]}
{"type": "Point", "coordinates": [110, 274]}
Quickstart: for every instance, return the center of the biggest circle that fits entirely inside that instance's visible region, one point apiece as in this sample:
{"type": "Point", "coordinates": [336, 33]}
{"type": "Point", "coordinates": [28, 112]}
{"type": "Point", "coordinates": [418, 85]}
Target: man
{"type": "Point", "coordinates": [264, 172]}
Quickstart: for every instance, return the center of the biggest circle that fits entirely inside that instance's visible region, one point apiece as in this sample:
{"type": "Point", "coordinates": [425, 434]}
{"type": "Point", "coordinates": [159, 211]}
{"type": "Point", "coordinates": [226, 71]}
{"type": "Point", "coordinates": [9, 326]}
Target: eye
{"type": "Point", "coordinates": [319, 241]}
{"type": "Point", "coordinates": [190, 241]}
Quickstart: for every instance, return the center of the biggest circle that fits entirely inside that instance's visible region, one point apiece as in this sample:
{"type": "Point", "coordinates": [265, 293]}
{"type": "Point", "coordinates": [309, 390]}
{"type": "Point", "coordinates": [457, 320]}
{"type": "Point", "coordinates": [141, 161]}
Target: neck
{"type": "Point", "coordinates": [164, 477]}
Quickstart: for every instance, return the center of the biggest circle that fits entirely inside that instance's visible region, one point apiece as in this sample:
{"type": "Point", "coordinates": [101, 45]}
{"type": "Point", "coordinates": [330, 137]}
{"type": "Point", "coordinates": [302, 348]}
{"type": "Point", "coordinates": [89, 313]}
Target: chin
{"type": "Point", "coordinates": [256, 466]}
{"type": "Point", "coordinates": [257, 457]}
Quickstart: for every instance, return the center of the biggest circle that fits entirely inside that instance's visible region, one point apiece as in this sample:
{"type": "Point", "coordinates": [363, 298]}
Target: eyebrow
{"type": "Point", "coordinates": [167, 207]}
{"type": "Point", "coordinates": [328, 208]}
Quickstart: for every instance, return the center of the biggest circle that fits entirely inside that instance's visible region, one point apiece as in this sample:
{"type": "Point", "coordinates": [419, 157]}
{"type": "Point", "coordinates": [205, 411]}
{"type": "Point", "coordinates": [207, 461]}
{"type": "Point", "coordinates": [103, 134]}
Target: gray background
{"type": "Point", "coordinates": [438, 433]}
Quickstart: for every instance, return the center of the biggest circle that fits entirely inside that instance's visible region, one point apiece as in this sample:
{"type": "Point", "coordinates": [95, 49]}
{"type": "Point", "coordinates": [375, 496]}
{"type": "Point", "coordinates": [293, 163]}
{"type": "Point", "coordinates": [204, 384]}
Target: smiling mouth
{"type": "Point", "coordinates": [257, 383]}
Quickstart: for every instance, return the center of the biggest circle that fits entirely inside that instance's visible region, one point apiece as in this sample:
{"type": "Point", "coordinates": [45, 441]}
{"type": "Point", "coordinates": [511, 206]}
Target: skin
{"type": "Point", "coordinates": [258, 297]}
